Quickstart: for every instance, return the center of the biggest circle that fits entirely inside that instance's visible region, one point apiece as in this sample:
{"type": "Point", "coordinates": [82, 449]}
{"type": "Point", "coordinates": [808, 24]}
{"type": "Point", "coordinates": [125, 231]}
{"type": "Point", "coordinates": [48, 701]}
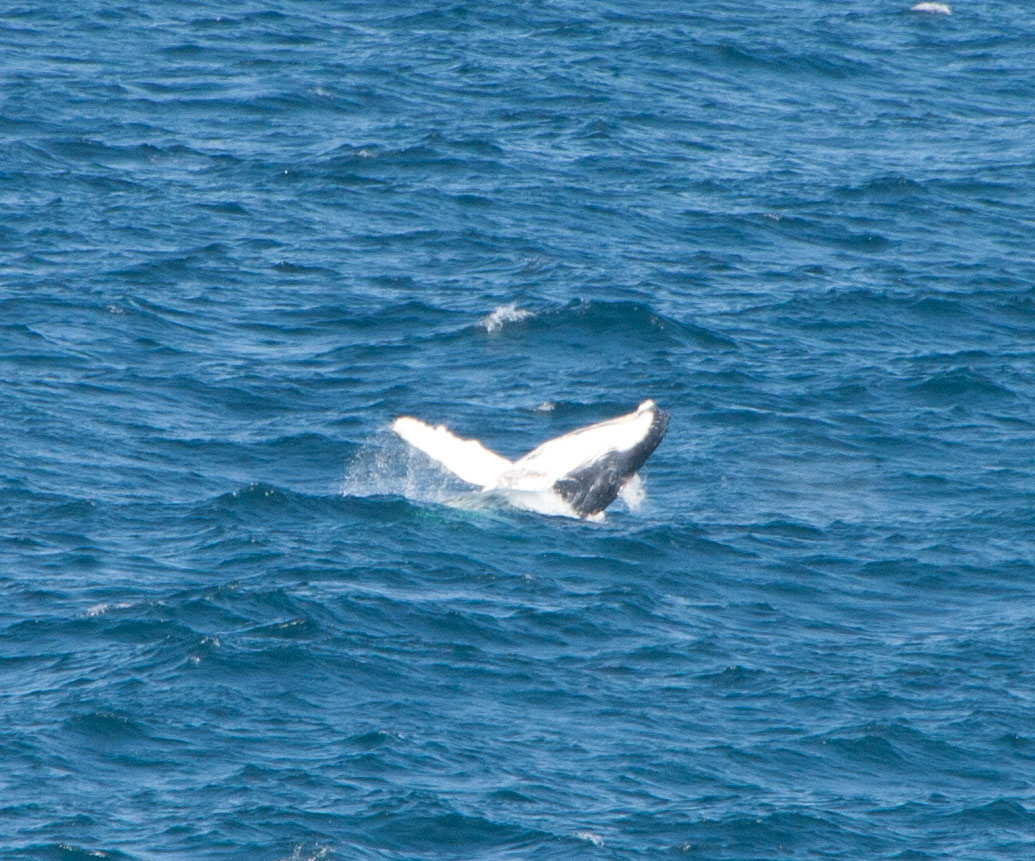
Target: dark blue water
{"type": "Point", "coordinates": [240, 620]}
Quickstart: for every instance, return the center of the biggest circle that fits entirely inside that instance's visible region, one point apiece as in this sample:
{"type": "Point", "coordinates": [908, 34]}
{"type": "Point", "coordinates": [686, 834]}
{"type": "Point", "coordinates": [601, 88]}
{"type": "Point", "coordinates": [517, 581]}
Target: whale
{"type": "Point", "coordinates": [580, 473]}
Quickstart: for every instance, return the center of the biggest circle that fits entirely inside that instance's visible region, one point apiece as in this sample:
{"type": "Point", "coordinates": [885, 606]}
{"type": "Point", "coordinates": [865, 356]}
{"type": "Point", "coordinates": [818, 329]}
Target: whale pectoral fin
{"type": "Point", "coordinates": [467, 459]}
{"type": "Point", "coordinates": [589, 491]}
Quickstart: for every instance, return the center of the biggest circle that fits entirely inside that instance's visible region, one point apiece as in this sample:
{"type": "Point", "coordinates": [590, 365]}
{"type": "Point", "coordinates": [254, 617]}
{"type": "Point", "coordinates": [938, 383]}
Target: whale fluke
{"type": "Point", "coordinates": [587, 468]}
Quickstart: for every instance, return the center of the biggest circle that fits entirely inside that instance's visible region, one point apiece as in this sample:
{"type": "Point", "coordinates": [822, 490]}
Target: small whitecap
{"type": "Point", "coordinates": [101, 609]}
{"type": "Point", "coordinates": [546, 407]}
{"type": "Point", "coordinates": [504, 314]}
{"type": "Point", "coordinates": [303, 853]}
{"type": "Point", "coordinates": [932, 8]}
{"type": "Point", "coordinates": [75, 850]}
{"type": "Point", "coordinates": [590, 837]}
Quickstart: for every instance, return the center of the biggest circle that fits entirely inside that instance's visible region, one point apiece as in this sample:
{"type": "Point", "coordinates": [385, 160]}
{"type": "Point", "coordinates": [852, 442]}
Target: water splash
{"type": "Point", "coordinates": [303, 853]}
{"type": "Point", "coordinates": [385, 466]}
{"type": "Point", "coordinates": [504, 314]}
{"type": "Point", "coordinates": [633, 493]}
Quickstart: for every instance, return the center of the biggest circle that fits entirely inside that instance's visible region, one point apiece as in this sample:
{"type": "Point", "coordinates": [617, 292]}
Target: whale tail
{"type": "Point", "coordinates": [587, 468]}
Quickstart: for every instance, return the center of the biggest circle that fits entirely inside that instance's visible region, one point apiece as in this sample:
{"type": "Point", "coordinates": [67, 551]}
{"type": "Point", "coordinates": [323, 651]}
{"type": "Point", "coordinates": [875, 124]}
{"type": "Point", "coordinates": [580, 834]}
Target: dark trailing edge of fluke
{"type": "Point", "coordinates": [592, 488]}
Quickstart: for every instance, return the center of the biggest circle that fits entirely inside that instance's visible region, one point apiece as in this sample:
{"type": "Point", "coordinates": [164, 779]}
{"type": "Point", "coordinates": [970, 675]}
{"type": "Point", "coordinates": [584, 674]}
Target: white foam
{"type": "Point", "coordinates": [590, 837]}
{"type": "Point", "coordinates": [75, 850]}
{"type": "Point", "coordinates": [504, 314]}
{"type": "Point", "coordinates": [101, 609]}
{"type": "Point", "coordinates": [932, 8]}
{"type": "Point", "coordinates": [302, 853]}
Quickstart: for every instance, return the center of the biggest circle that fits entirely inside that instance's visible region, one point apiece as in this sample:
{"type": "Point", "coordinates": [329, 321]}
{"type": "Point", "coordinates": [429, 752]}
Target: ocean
{"type": "Point", "coordinates": [240, 619]}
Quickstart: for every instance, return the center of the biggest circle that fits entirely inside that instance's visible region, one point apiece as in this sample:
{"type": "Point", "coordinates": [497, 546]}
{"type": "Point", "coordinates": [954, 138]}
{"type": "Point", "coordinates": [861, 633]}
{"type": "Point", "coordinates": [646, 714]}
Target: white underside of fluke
{"type": "Point", "coordinates": [534, 475]}
{"type": "Point", "coordinates": [467, 459]}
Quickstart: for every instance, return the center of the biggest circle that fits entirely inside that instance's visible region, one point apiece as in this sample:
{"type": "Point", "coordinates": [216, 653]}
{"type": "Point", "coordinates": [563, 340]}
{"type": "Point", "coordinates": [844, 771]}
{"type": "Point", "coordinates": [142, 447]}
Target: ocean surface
{"type": "Point", "coordinates": [239, 619]}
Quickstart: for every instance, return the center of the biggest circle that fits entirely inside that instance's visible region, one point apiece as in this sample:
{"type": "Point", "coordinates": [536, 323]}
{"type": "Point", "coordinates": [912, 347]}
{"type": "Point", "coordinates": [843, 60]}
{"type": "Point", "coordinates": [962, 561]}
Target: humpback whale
{"type": "Point", "coordinates": [584, 469]}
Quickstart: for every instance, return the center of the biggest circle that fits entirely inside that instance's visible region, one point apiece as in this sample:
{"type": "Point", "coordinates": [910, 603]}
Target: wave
{"type": "Point", "coordinates": [775, 58]}
{"type": "Point", "coordinates": [611, 324]}
{"type": "Point", "coordinates": [932, 8]}
{"type": "Point", "coordinates": [799, 831]}
{"type": "Point", "coordinates": [504, 314]}
{"type": "Point", "coordinates": [73, 852]}
{"type": "Point", "coordinates": [308, 852]}
{"type": "Point", "coordinates": [959, 387]}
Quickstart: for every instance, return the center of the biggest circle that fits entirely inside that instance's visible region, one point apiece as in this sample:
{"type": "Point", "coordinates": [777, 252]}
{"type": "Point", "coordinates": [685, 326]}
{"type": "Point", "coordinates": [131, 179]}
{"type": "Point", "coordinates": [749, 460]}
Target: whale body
{"type": "Point", "coordinates": [584, 469]}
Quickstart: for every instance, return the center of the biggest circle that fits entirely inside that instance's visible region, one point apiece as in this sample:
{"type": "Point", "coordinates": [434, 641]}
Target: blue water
{"type": "Point", "coordinates": [240, 620]}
